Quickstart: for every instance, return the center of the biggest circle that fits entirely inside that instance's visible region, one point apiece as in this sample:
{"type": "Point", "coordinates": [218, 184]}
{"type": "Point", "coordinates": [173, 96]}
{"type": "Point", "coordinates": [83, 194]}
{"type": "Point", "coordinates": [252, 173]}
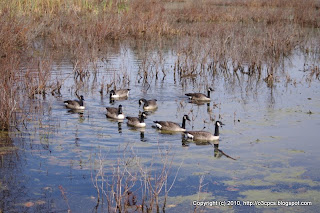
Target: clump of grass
{"type": "Point", "coordinates": [130, 185]}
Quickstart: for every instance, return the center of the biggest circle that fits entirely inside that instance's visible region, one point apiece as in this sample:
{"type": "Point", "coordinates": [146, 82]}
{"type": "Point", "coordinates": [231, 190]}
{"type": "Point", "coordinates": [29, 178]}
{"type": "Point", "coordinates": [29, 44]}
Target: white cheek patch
{"type": "Point", "coordinates": [158, 126]}
{"type": "Point", "coordinates": [189, 135]}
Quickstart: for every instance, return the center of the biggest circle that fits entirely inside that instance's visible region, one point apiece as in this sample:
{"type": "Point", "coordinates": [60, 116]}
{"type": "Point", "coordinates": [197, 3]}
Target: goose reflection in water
{"type": "Point", "coordinates": [120, 127]}
{"type": "Point", "coordinates": [218, 153]}
{"type": "Point", "coordinates": [119, 122]}
{"type": "Point", "coordinates": [80, 112]}
{"type": "Point", "coordinates": [202, 103]}
{"type": "Point", "coordinates": [112, 101]}
{"type": "Point", "coordinates": [141, 130]}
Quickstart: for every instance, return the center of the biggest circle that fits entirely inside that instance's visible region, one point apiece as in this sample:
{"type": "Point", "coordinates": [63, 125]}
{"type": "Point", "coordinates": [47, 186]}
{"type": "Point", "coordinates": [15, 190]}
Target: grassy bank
{"type": "Point", "coordinates": [247, 31]}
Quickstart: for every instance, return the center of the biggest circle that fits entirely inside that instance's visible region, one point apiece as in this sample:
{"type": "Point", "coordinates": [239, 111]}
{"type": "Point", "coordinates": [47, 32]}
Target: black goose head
{"type": "Point", "coordinates": [219, 123]}
{"type": "Point", "coordinates": [143, 116]}
{"type": "Point", "coordinates": [142, 101]}
{"type": "Point", "coordinates": [81, 100]}
{"type": "Point", "coordinates": [186, 117]}
{"type": "Point", "coordinates": [112, 92]}
{"type": "Point", "coordinates": [209, 90]}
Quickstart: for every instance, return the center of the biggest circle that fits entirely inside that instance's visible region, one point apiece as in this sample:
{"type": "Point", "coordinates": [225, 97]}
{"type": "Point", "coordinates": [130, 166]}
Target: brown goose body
{"type": "Point", "coordinates": [148, 105]}
{"type": "Point", "coordinates": [200, 96]}
{"type": "Point", "coordinates": [121, 93]}
{"type": "Point", "coordinates": [204, 135]}
{"type": "Point", "coordinates": [115, 113]}
{"type": "Point", "coordinates": [75, 104]}
{"type": "Point", "coordinates": [137, 121]}
{"type": "Point", "coordinates": [172, 126]}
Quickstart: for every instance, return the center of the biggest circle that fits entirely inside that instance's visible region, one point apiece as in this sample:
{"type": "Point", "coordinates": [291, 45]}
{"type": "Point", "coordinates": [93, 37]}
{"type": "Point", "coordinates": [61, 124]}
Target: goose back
{"type": "Point", "coordinates": [75, 104]}
{"type": "Point", "coordinates": [200, 96]}
{"type": "Point", "coordinates": [137, 122]}
{"type": "Point", "coordinates": [115, 113]}
{"type": "Point", "coordinates": [204, 135]}
{"type": "Point", "coordinates": [121, 93]}
{"type": "Point", "coordinates": [148, 104]}
{"type": "Point", "coordinates": [201, 136]}
{"type": "Point", "coordinates": [172, 126]}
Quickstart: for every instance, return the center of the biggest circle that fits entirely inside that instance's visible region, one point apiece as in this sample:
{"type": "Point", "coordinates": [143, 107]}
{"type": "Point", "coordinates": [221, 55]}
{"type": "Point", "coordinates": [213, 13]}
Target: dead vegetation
{"type": "Point", "coordinates": [132, 186]}
{"type": "Point", "coordinates": [245, 36]}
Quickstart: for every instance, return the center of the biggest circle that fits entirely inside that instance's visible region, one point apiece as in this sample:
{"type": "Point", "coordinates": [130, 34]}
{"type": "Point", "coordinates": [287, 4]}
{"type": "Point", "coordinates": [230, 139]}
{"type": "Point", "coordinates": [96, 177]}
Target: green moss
{"type": "Point", "coordinates": [294, 151]}
{"type": "Point", "coordinates": [292, 175]}
{"type": "Point", "coordinates": [251, 182]}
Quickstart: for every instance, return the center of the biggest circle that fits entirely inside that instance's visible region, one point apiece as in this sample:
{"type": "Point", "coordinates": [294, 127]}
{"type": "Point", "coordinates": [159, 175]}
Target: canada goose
{"type": "Point", "coordinates": [137, 122]}
{"type": "Point", "coordinates": [115, 113]}
{"type": "Point", "coordinates": [203, 135]}
{"type": "Point", "coordinates": [171, 126]}
{"type": "Point", "coordinates": [75, 104]}
{"type": "Point", "coordinates": [121, 93]}
{"type": "Point", "coordinates": [148, 104]}
{"type": "Point", "coordinates": [200, 96]}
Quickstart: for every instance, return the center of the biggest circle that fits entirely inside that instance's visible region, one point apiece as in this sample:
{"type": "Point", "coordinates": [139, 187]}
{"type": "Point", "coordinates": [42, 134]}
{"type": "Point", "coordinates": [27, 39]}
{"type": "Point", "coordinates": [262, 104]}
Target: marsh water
{"type": "Point", "coordinates": [268, 149]}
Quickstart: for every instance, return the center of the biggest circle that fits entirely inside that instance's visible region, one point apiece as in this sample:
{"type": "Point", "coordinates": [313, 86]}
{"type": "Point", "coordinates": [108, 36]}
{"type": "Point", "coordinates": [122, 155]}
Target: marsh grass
{"type": "Point", "coordinates": [131, 185]}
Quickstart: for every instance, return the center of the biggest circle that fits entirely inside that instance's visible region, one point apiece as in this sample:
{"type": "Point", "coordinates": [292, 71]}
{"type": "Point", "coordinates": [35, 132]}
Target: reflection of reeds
{"type": "Point", "coordinates": [314, 72]}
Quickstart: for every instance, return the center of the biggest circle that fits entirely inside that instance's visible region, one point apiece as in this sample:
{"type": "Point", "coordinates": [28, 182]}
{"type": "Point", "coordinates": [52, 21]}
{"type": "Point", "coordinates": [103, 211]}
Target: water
{"type": "Point", "coordinates": [268, 150]}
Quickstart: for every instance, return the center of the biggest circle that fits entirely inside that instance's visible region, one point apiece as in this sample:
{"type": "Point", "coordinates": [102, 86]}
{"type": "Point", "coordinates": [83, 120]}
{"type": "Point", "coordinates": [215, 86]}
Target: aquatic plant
{"type": "Point", "coordinates": [230, 37]}
{"type": "Point", "coordinates": [131, 184]}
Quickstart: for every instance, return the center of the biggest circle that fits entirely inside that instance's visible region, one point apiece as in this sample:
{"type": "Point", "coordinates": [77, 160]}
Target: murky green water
{"type": "Point", "coordinates": [51, 164]}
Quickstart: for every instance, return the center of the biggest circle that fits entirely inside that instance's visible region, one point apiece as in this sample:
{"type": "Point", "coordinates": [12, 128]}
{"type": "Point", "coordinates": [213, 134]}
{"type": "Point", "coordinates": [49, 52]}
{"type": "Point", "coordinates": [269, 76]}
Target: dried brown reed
{"type": "Point", "coordinates": [129, 185]}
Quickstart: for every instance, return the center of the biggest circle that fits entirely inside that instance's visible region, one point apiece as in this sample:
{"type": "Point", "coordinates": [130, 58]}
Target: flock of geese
{"type": "Point", "coordinates": [151, 105]}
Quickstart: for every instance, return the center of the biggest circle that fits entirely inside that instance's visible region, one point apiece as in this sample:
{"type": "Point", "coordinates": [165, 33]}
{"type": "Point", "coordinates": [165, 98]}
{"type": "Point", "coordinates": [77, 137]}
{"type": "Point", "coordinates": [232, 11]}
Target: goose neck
{"type": "Point", "coordinates": [208, 93]}
{"type": "Point", "coordinates": [183, 123]}
{"type": "Point", "coordinates": [141, 118]}
{"type": "Point", "coordinates": [216, 131]}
